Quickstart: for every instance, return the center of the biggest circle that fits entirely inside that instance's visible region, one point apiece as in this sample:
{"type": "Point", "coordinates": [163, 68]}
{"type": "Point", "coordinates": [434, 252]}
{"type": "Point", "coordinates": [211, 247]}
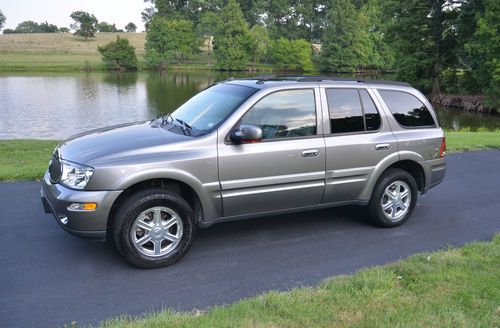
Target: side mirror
{"type": "Point", "coordinates": [246, 133]}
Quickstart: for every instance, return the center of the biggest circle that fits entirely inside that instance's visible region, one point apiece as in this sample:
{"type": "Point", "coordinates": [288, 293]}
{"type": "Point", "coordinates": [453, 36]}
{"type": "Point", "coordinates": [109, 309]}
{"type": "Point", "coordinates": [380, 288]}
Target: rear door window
{"type": "Point", "coordinates": [407, 109]}
{"type": "Point", "coordinates": [352, 110]}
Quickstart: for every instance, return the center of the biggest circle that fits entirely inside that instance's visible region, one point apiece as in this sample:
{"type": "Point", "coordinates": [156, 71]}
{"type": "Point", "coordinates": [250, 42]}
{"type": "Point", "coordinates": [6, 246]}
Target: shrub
{"type": "Point", "coordinates": [292, 55]}
{"type": "Point", "coordinates": [119, 54]}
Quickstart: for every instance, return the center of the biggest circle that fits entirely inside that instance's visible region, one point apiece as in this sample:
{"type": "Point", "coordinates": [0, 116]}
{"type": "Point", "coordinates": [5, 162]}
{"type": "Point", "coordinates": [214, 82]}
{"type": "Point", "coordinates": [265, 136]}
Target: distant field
{"type": "Point", "coordinates": [58, 51]}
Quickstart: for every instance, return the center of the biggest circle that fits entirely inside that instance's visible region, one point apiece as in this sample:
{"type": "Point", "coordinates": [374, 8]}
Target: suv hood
{"type": "Point", "coordinates": [87, 147]}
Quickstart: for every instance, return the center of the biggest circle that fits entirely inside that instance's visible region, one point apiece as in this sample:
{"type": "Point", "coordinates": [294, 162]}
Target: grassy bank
{"type": "Point", "coordinates": [66, 52]}
{"type": "Point", "coordinates": [453, 288]}
{"type": "Point", "coordinates": [58, 51]}
{"type": "Point", "coordinates": [27, 159]}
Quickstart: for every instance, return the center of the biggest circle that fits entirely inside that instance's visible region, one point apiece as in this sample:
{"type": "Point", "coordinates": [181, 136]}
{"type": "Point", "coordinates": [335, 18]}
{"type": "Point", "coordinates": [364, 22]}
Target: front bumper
{"type": "Point", "coordinates": [87, 224]}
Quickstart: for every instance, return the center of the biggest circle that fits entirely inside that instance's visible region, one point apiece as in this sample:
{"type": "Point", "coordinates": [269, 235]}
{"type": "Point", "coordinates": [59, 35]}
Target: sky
{"type": "Point", "coordinates": [57, 12]}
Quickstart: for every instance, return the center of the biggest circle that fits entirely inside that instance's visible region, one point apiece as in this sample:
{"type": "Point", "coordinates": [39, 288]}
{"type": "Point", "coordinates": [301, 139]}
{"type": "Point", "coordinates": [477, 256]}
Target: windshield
{"type": "Point", "coordinates": [210, 107]}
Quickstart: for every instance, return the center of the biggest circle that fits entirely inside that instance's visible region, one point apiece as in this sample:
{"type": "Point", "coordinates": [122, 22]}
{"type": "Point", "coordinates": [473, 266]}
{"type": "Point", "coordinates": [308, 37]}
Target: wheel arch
{"type": "Point", "coordinates": [183, 184]}
{"type": "Point", "coordinates": [410, 162]}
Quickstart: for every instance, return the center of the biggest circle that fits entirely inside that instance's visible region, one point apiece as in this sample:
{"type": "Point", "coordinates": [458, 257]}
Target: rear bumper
{"type": "Point", "coordinates": [91, 224]}
{"type": "Point", "coordinates": [435, 171]}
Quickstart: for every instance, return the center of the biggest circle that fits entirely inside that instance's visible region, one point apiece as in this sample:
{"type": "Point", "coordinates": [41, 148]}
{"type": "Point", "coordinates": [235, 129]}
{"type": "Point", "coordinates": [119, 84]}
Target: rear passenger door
{"type": "Point", "coordinates": [357, 138]}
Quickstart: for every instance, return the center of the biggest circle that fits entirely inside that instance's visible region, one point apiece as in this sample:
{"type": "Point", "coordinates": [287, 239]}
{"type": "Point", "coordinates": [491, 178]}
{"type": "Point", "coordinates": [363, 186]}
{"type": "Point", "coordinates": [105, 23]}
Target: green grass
{"type": "Point", "coordinates": [24, 159]}
{"type": "Point", "coordinates": [464, 140]}
{"type": "Point", "coordinates": [458, 287]}
{"type": "Point", "coordinates": [61, 52]}
{"type": "Point", "coordinates": [27, 159]}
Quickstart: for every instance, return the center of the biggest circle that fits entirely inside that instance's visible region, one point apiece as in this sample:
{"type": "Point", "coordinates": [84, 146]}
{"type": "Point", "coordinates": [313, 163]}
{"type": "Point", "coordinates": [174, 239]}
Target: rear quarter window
{"type": "Point", "coordinates": [407, 109]}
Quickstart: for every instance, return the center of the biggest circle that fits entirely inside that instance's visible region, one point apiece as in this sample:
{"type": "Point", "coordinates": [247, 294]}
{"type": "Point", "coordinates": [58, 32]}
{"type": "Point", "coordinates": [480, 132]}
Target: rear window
{"type": "Point", "coordinates": [407, 109]}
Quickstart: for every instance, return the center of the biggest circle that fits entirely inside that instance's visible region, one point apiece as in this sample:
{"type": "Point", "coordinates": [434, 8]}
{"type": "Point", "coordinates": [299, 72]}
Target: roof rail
{"type": "Point", "coordinates": [354, 80]}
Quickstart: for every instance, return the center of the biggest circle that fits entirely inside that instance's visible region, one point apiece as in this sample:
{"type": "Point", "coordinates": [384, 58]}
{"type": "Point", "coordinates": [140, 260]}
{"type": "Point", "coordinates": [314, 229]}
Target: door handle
{"type": "Point", "coordinates": [310, 153]}
{"type": "Point", "coordinates": [382, 146]}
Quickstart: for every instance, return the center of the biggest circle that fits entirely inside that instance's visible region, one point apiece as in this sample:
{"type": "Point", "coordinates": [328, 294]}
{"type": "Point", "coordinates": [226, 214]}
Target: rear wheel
{"type": "Point", "coordinates": [154, 228]}
{"type": "Point", "coordinates": [393, 199]}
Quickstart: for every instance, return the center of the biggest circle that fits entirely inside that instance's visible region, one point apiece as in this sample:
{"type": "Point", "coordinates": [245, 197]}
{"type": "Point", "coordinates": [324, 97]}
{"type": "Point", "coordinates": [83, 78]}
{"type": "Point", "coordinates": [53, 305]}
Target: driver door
{"type": "Point", "coordinates": [287, 168]}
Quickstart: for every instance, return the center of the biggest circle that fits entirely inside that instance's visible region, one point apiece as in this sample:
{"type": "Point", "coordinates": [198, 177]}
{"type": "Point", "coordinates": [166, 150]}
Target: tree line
{"type": "Point", "coordinates": [439, 46]}
{"type": "Point", "coordinates": [79, 17]}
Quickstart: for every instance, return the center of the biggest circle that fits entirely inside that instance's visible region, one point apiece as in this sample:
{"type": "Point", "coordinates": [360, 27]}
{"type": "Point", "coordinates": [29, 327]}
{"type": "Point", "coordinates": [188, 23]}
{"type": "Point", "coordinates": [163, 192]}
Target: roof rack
{"type": "Point", "coordinates": [304, 78]}
{"type": "Point", "coordinates": [354, 80]}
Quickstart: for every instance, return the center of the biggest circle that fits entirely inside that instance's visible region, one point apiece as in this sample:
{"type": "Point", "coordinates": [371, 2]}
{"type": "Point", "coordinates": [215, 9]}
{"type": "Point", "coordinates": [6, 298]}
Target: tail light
{"type": "Point", "coordinates": [442, 149]}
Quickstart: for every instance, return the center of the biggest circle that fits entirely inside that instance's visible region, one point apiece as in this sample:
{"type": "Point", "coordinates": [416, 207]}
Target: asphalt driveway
{"type": "Point", "coordinates": [48, 277]}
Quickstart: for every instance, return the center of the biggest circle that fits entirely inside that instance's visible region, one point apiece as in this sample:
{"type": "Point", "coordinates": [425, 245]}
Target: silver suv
{"type": "Point", "coordinates": [245, 148]}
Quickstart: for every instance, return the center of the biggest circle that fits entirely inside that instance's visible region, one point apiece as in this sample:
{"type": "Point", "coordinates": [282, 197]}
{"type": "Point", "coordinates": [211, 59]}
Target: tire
{"type": "Point", "coordinates": [153, 228]}
{"type": "Point", "coordinates": [389, 207]}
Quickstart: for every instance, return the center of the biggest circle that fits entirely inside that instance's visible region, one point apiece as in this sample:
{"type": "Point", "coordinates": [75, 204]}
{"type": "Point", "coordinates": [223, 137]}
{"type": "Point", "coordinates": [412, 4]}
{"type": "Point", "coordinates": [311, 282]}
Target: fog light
{"type": "Point", "coordinates": [82, 206]}
{"type": "Point", "coordinates": [63, 219]}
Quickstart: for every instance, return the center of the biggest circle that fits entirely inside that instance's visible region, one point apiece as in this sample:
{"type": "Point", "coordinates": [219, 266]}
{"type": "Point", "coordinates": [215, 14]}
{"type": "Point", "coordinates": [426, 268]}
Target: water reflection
{"type": "Point", "coordinates": [58, 105]}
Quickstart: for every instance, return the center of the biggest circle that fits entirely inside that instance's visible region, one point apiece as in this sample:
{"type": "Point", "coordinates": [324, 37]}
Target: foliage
{"type": "Point", "coordinates": [119, 54]}
{"type": "Point", "coordinates": [64, 30]}
{"type": "Point", "coordinates": [342, 37]}
{"type": "Point", "coordinates": [33, 27]}
{"type": "Point", "coordinates": [294, 19]}
{"type": "Point", "coordinates": [2, 20]}
{"type": "Point", "coordinates": [131, 27]}
{"type": "Point", "coordinates": [260, 43]}
{"type": "Point", "coordinates": [85, 24]}
{"type": "Point", "coordinates": [292, 55]}
{"type": "Point", "coordinates": [106, 27]}
{"type": "Point", "coordinates": [232, 39]}
{"type": "Point", "coordinates": [207, 28]}
{"type": "Point", "coordinates": [168, 39]}
{"type": "Point", "coordinates": [483, 51]}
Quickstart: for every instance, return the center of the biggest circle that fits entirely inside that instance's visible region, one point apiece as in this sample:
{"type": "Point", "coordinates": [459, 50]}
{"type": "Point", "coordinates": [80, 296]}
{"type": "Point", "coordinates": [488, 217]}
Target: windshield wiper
{"type": "Point", "coordinates": [184, 123]}
{"type": "Point", "coordinates": [185, 127]}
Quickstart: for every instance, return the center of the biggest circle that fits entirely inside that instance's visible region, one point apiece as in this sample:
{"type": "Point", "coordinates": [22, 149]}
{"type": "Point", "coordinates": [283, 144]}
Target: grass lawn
{"type": "Point", "coordinates": [458, 287]}
{"type": "Point", "coordinates": [28, 159]}
{"type": "Point", "coordinates": [24, 159]}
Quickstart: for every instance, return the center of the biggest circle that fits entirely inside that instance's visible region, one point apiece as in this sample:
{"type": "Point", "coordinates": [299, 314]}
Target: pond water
{"type": "Point", "coordinates": [58, 105]}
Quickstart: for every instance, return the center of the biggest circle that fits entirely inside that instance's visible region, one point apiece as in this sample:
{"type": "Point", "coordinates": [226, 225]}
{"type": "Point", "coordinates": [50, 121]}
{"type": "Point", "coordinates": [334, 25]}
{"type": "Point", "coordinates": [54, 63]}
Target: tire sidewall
{"type": "Point", "coordinates": [131, 209]}
{"type": "Point", "coordinates": [388, 178]}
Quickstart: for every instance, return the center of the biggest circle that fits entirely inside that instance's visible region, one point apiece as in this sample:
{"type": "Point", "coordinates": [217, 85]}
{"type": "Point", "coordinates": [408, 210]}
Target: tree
{"type": "Point", "coordinates": [119, 54]}
{"type": "Point", "coordinates": [85, 24]}
{"type": "Point", "coordinates": [232, 39]}
{"type": "Point", "coordinates": [338, 51]}
{"type": "Point", "coordinates": [260, 43]}
{"type": "Point", "coordinates": [106, 27]}
{"type": "Point", "coordinates": [423, 36]}
{"type": "Point", "coordinates": [207, 28]}
{"type": "Point", "coordinates": [131, 27]}
{"type": "Point", "coordinates": [292, 55]}
{"type": "Point", "coordinates": [170, 39]}
{"type": "Point", "coordinates": [2, 20]}
{"type": "Point", "coordinates": [64, 30]}
{"type": "Point", "coordinates": [48, 28]}
{"type": "Point", "coordinates": [483, 49]}
{"type": "Point", "coordinates": [27, 27]}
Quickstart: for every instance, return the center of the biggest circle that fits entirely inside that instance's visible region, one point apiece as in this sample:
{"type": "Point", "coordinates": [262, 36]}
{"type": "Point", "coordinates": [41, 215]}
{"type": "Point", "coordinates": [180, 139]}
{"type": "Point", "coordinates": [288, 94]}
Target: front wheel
{"type": "Point", "coordinates": [393, 199]}
{"type": "Point", "coordinates": [154, 228]}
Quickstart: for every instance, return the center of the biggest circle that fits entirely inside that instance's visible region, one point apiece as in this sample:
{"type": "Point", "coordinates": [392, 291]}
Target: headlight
{"type": "Point", "coordinates": [75, 175]}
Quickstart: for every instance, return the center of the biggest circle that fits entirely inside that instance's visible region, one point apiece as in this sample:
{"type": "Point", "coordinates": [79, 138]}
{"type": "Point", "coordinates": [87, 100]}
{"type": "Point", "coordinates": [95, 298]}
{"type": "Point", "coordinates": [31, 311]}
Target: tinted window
{"type": "Point", "coordinates": [372, 117]}
{"type": "Point", "coordinates": [407, 109]}
{"type": "Point", "coordinates": [290, 113]}
{"type": "Point", "coordinates": [345, 110]}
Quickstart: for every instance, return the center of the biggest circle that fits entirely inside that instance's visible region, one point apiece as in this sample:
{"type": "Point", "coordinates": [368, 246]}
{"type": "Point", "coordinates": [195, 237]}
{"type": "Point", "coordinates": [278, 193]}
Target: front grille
{"type": "Point", "coordinates": [55, 169]}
